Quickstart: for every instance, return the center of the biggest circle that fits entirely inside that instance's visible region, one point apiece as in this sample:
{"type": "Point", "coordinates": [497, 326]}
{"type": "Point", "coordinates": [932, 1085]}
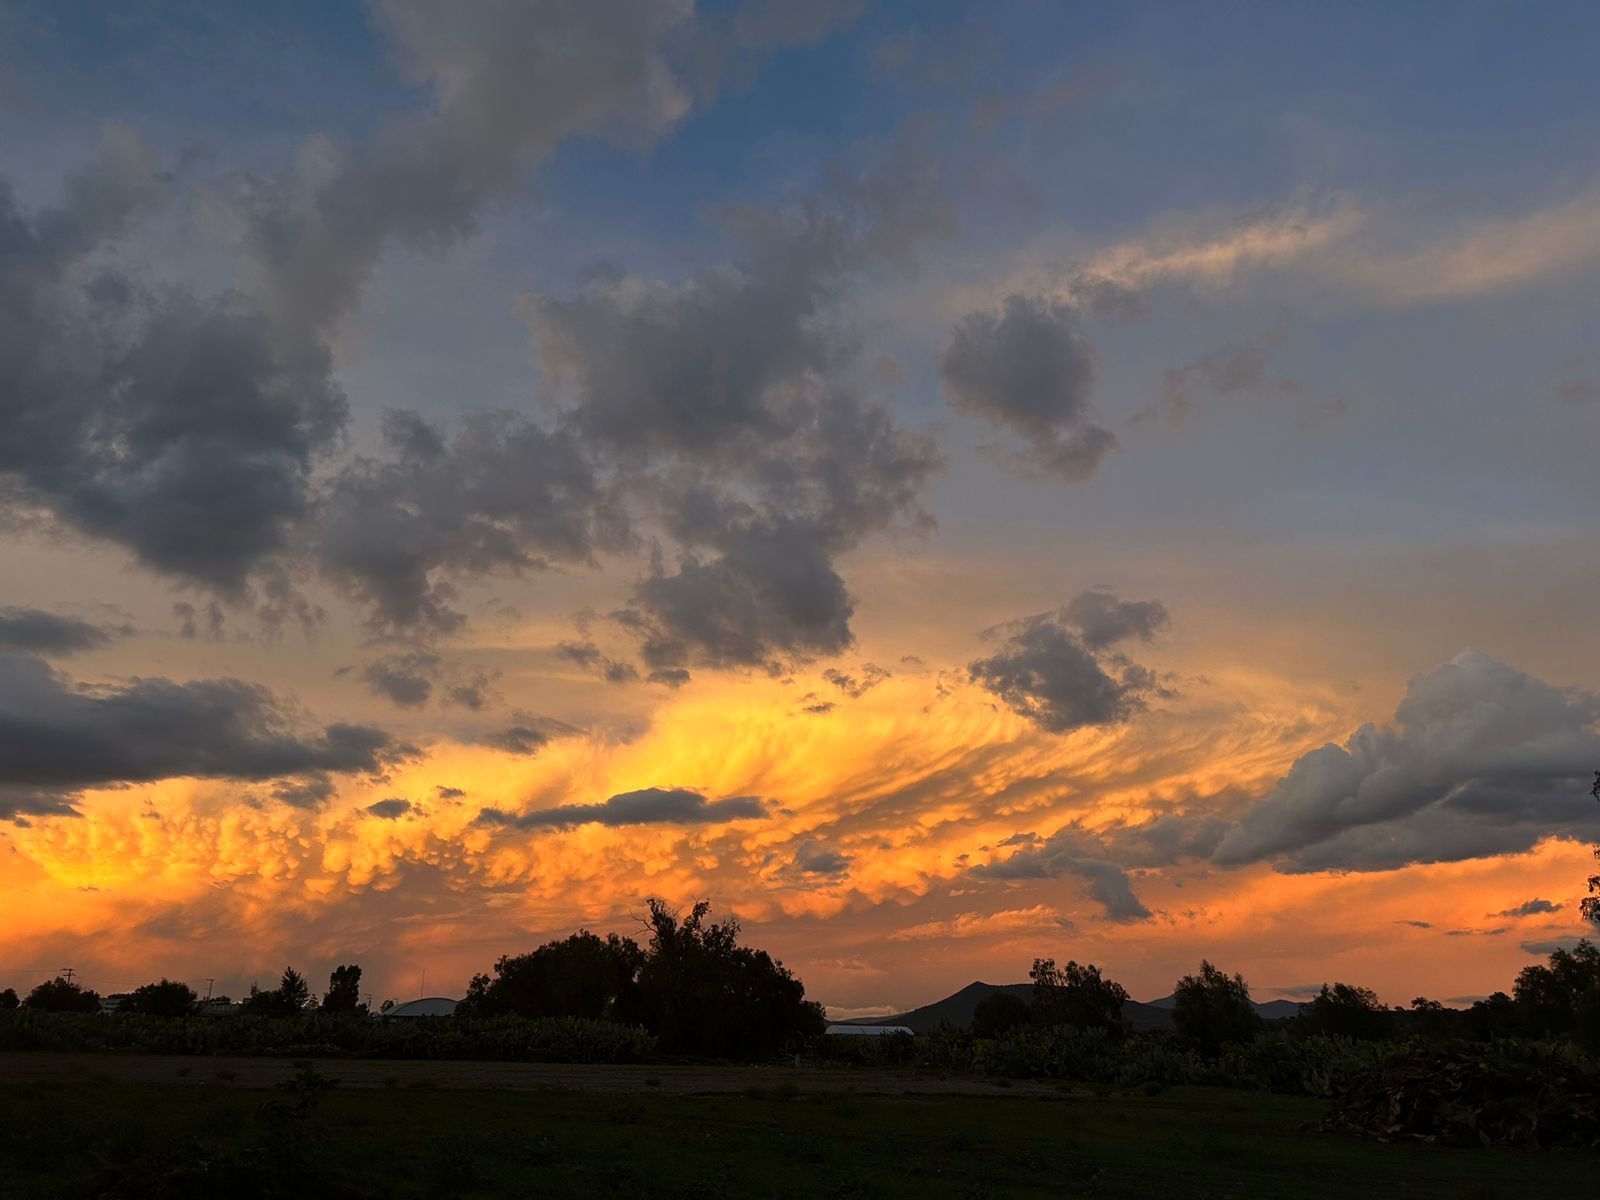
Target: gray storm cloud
{"type": "Point", "coordinates": [58, 738]}
{"type": "Point", "coordinates": [647, 806]}
{"type": "Point", "coordinates": [48, 634]}
{"type": "Point", "coordinates": [1055, 668]}
{"type": "Point", "coordinates": [727, 409]}
{"type": "Point", "coordinates": [1481, 759]}
{"type": "Point", "coordinates": [181, 428]}
{"type": "Point", "coordinates": [1029, 368]}
{"type": "Point", "coordinates": [187, 428]}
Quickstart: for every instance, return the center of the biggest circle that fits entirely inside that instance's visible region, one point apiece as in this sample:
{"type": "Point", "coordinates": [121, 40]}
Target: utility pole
{"type": "Point", "coordinates": [209, 982]}
{"type": "Point", "coordinates": [423, 986]}
{"type": "Point", "coordinates": [67, 973]}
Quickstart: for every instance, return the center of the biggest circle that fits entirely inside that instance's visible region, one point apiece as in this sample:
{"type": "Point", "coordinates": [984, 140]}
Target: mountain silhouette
{"type": "Point", "coordinates": [957, 1010]}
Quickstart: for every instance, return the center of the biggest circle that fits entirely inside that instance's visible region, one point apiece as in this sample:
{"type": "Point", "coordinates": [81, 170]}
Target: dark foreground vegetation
{"type": "Point", "coordinates": [313, 1138]}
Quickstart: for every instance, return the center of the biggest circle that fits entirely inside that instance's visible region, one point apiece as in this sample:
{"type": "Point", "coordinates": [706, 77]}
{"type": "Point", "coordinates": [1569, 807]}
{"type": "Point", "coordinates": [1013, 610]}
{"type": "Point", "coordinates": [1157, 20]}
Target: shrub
{"type": "Point", "coordinates": [1508, 1093]}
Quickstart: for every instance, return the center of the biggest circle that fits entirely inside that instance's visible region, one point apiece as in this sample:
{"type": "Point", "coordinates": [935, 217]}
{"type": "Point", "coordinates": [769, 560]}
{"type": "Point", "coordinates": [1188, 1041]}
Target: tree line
{"type": "Point", "coordinates": [691, 985]}
{"type": "Point", "coordinates": [1559, 998]}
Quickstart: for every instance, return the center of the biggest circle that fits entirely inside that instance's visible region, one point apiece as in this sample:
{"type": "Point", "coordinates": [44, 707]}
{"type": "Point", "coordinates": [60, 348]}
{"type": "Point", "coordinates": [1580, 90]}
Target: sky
{"type": "Point", "coordinates": [949, 483]}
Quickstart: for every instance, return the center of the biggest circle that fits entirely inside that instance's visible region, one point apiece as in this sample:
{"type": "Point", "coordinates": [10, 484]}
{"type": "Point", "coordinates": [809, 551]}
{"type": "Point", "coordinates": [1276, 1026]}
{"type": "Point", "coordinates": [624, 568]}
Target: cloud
{"type": "Point", "coordinates": [1183, 254]}
{"type": "Point", "coordinates": [1416, 924]}
{"type": "Point", "coordinates": [35, 631]}
{"type": "Point", "coordinates": [182, 429]}
{"type": "Point", "coordinates": [1040, 917]}
{"type": "Point", "coordinates": [816, 858]}
{"type": "Point", "coordinates": [502, 496]}
{"type": "Point", "coordinates": [1102, 855]}
{"type": "Point", "coordinates": [391, 809]}
{"type": "Point", "coordinates": [527, 735]}
{"type": "Point", "coordinates": [1029, 368]}
{"type": "Point", "coordinates": [728, 407]}
{"type": "Point", "coordinates": [1108, 883]}
{"type": "Point", "coordinates": [406, 680]}
{"type": "Point", "coordinates": [1481, 760]}
{"type": "Point", "coordinates": [1529, 908]}
{"type": "Point", "coordinates": [186, 429]}
{"type": "Point", "coordinates": [1550, 946]}
{"type": "Point", "coordinates": [648, 806]}
{"type": "Point", "coordinates": [60, 738]}
{"type": "Point", "coordinates": [1053, 667]}
{"type": "Point", "coordinates": [871, 676]}
{"type": "Point", "coordinates": [1228, 370]}
{"type": "Point", "coordinates": [1103, 620]}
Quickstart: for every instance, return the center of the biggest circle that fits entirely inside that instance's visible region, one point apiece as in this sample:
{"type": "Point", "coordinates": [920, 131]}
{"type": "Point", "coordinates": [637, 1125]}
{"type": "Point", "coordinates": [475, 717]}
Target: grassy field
{"type": "Point", "coordinates": [112, 1139]}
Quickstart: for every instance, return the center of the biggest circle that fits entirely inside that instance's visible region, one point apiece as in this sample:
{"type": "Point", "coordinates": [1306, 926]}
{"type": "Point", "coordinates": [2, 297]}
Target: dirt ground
{"type": "Point", "coordinates": [668, 1079]}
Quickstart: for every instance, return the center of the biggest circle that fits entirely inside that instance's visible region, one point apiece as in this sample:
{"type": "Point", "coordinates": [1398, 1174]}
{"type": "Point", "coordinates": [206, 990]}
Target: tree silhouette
{"type": "Point", "coordinates": [165, 999]}
{"type": "Point", "coordinates": [291, 996]}
{"type": "Point", "coordinates": [1590, 907]}
{"type": "Point", "coordinates": [1562, 997]}
{"type": "Point", "coordinates": [1344, 1010]}
{"type": "Point", "coordinates": [61, 995]}
{"type": "Point", "coordinates": [1213, 1009]}
{"type": "Point", "coordinates": [999, 1014]}
{"type": "Point", "coordinates": [703, 993]}
{"type": "Point", "coordinates": [581, 976]}
{"type": "Point", "coordinates": [344, 991]}
{"type": "Point", "coordinates": [1076, 996]}
{"type": "Point", "coordinates": [8, 1000]}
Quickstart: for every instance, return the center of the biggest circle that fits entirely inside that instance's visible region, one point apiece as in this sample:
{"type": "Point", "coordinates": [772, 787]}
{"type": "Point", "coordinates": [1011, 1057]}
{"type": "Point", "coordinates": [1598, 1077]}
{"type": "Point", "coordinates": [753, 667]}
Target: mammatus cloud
{"type": "Point", "coordinates": [34, 631]}
{"type": "Point", "coordinates": [1029, 368]}
{"type": "Point", "coordinates": [1057, 670]}
{"type": "Point", "coordinates": [648, 806]}
{"type": "Point", "coordinates": [57, 737]}
{"type": "Point", "coordinates": [816, 858]}
{"type": "Point", "coordinates": [1481, 759]}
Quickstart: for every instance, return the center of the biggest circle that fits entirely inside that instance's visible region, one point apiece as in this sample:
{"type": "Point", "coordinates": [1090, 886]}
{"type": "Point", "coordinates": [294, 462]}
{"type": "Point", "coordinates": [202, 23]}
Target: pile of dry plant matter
{"type": "Point", "coordinates": [1503, 1094]}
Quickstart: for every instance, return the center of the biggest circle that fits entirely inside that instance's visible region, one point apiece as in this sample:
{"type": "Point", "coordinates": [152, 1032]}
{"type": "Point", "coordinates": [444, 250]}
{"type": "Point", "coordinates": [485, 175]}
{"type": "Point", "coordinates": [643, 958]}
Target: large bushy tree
{"type": "Point", "coordinates": [344, 991]}
{"type": "Point", "coordinates": [62, 995]}
{"type": "Point", "coordinates": [1075, 995]}
{"type": "Point", "coordinates": [1562, 997]}
{"type": "Point", "coordinates": [9, 1000]}
{"type": "Point", "coordinates": [1345, 1010]}
{"type": "Point", "coordinates": [703, 993]}
{"type": "Point", "coordinates": [1213, 1008]}
{"type": "Point", "coordinates": [168, 998]}
{"type": "Point", "coordinates": [580, 976]}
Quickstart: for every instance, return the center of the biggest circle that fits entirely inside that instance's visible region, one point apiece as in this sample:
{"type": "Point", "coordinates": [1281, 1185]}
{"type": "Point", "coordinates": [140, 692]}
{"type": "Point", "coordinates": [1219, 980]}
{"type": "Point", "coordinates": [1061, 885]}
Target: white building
{"type": "Point", "coordinates": [431, 1006]}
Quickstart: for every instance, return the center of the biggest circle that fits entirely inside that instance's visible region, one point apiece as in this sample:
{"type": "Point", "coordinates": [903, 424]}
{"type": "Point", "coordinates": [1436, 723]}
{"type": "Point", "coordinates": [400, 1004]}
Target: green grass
{"type": "Point", "coordinates": [147, 1140]}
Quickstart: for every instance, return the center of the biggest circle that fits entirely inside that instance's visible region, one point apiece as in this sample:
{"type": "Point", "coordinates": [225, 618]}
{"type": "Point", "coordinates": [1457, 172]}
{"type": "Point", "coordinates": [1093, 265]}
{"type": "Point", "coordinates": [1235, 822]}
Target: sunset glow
{"type": "Point", "coordinates": [825, 465]}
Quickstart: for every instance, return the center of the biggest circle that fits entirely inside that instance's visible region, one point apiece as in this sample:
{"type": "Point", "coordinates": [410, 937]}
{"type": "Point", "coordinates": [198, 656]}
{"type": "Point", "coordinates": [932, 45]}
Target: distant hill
{"type": "Point", "coordinates": [957, 1009]}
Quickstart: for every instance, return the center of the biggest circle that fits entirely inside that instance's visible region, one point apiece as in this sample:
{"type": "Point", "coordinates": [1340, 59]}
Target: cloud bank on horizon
{"type": "Point", "coordinates": [1015, 495]}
